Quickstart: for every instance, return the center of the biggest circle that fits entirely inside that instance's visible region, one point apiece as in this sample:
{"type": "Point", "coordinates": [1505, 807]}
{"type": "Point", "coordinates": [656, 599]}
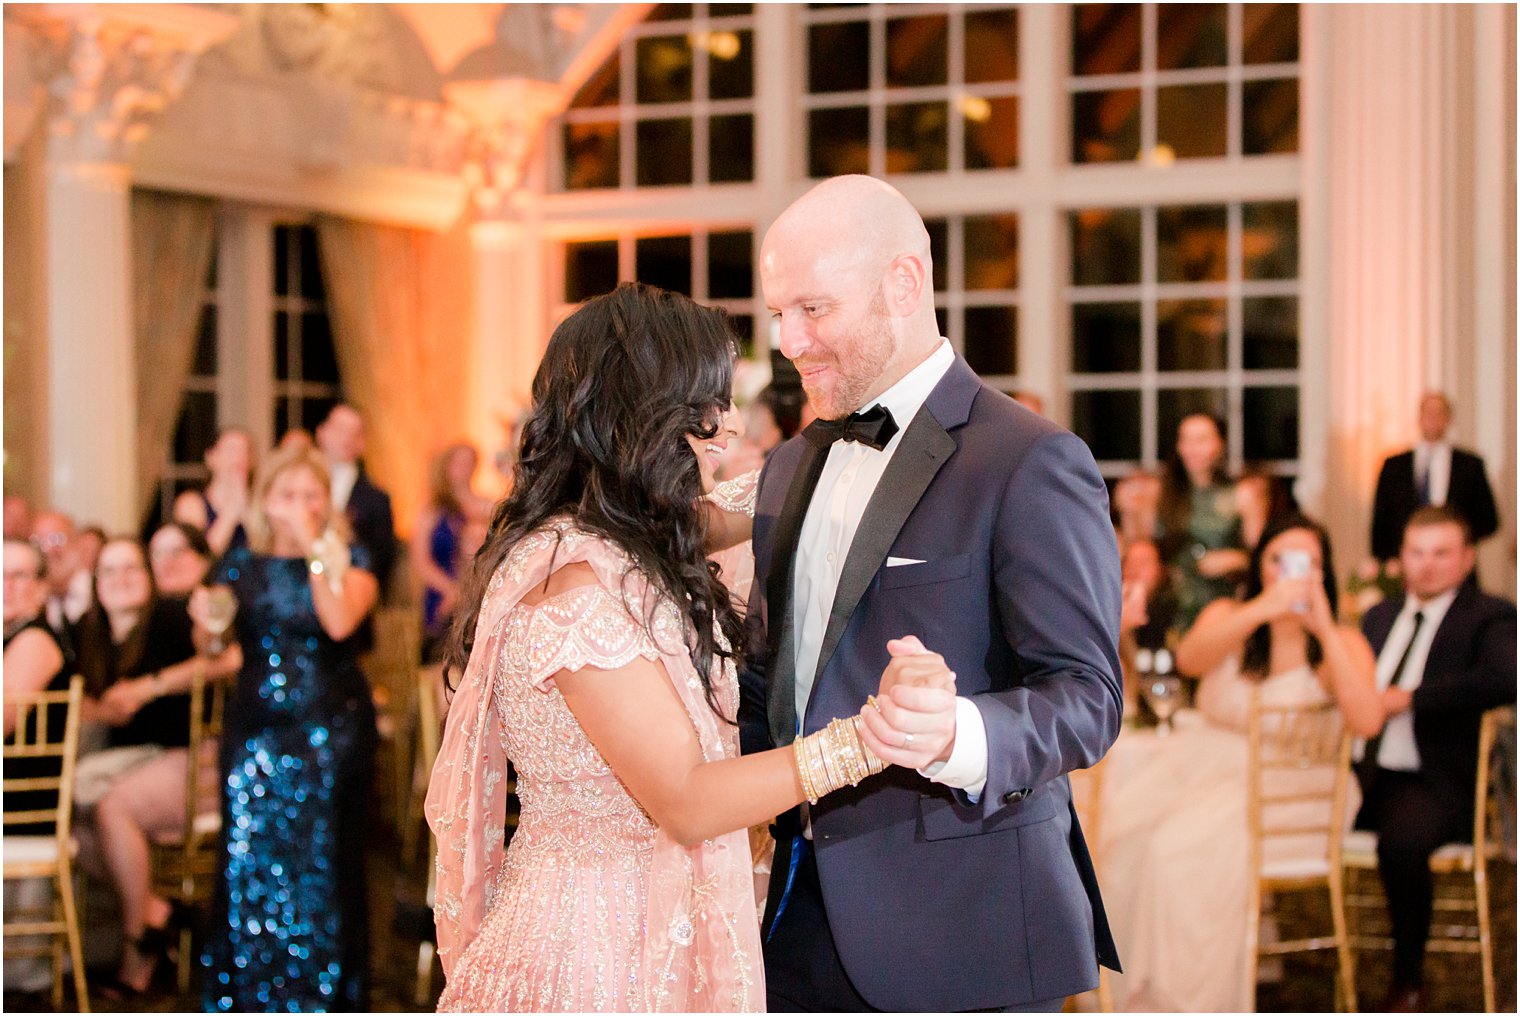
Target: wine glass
{"type": "Point", "coordinates": [221, 608]}
{"type": "Point", "coordinates": [1163, 693]}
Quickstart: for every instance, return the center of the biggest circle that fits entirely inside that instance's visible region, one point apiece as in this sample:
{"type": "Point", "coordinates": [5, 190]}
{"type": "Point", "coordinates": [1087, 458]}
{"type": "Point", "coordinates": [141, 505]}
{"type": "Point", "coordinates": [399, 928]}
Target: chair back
{"type": "Point", "coordinates": [39, 757]}
{"type": "Point", "coordinates": [1296, 794]}
{"type": "Point", "coordinates": [430, 709]}
{"type": "Point", "coordinates": [1494, 814]}
{"type": "Point", "coordinates": [202, 784]}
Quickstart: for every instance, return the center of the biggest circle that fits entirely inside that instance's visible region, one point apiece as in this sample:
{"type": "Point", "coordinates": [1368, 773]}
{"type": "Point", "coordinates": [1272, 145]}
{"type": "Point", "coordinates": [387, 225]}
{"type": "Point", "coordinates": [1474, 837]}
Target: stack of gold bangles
{"type": "Point", "coordinates": [834, 757]}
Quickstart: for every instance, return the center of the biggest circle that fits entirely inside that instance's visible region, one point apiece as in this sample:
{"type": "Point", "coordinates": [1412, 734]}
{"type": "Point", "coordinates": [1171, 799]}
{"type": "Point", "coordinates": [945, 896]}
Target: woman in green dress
{"type": "Point", "coordinates": [1198, 527]}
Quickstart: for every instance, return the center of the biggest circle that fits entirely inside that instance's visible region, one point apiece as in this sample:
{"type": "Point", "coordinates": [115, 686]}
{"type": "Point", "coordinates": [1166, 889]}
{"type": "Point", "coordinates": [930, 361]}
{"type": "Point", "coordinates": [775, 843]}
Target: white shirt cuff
{"type": "Point", "coordinates": [966, 768]}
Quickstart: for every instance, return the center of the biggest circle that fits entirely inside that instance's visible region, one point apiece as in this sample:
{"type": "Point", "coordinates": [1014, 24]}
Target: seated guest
{"type": "Point", "coordinates": [439, 544]}
{"type": "Point", "coordinates": [1148, 608]}
{"type": "Point", "coordinates": [68, 574]}
{"type": "Point", "coordinates": [1431, 473]}
{"type": "Point", "coordinates": [1175, 837]}
{"type": "Point", "coordinates": [1445, 653]}
{"type": "Point", "coordinates": [138, 661]}
{"type": "Point", "coordinates": [1137, 499]}
{"type": "Point", "coordinates": [775, 416]}
{"type": "Point", "coordinates": [218, 509]}
{"type": "Point", "coordinates": [1198, 529]}
{"type": "Point", "coordinates": [1259, 497]}
{"type": "Point", "coordinates": [180, 557]}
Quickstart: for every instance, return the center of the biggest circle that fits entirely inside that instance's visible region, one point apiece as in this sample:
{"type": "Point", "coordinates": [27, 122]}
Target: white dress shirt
{"type": "Point", "coordinates": [1434, 456]}
{"type": "Point", "coordinates": [1397, 749]}
{"type": "Point", "coordinates": [344, 476]}
{"type": "Point", "coordinates": [845, 486]}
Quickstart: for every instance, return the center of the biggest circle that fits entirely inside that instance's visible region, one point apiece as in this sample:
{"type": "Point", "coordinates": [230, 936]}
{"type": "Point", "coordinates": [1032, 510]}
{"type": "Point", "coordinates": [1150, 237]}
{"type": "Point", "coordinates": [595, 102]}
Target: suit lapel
{"type": "Point", "coordinates": [781, 689]}
{"type": "Point", "coordinates": [924, 448]}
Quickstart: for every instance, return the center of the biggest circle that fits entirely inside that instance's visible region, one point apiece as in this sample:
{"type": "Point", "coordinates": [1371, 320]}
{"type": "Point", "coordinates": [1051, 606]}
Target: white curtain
{"type": "Point", "coordinates": [173, 240]}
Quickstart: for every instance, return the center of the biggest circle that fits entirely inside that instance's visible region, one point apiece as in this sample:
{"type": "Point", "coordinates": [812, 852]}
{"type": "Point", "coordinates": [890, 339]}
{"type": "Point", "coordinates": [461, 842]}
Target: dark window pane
{"type": "Point", "coordinates": [1271, 33]}
{"type": "Point", "coordinates": [731, 148]}
{"type": "Point", "coordinates": [1105, 126]}
{"type": "Point", "coordinates": [992, 46]}
{"type": "Point", "coordinates": [839, 57]}
{"type": "Point", "coordinates": [942, 319]}
{"type": "Point", "coordinates": [1105, 338]}
{"type": "Point", "coordinates": [1192, 243]}
{"type": "Point", "coordinates": [1105, 246]}
{"type": "Point", "coordinates": [1190, 35]}
{"type": "Point", "coordinates": [663, 69]}
{"type": "Point", "coordinates": [591, 155]}
{"type": "Point", "coordinates": [730, 272]}
{"type": "Point", "coordinates": [314, 411]}
{"type": "Point", "coordinates": [670, 12]}
{"type": "Point", "coordinates": [282, 260]}
{"type": "Point", "coordinates": [1175, 404]}
{"type": "Point", "coordinates": [917, 51]}
{"type": "Point", "coordinates": [318, 359]}
{"type": "Point", "coordinates": [205, 343]}
{"type": "Point", "coordinates": [591, 268]}
{"type": "Point", "coordinates": [1193, 120]}
{"type": "Point", "coordinates": [663, 148]}
{"type": "Point", "coordinates": [939, 252]}
{"type": "Point", "coordinates": [991, 339]}
{"type": "Point", "coordinates": [211, 269]}
{"type": "Point", "coordinates": [281, 346]}
{"type": "Point", "coordinates": [1109, 422]}
{"type": "Point", "coordinates": [311, 266]}
{"type": "Point", "coordinates": [196, 429]}
{"type": "Point", "coordinates": [602, 88]}
{"type": "Point", "coordinates": [1270, 332]}
{"type": "Point", "coordinates": [1269, 116]}
{"type": "Point", "coordinates": [1105, 38]}
{"type": "Point", "coordinates": [1271, 423]}
{"type": "Point", "coordinates": [1269, 240]}
{"type": "Point", "coordinates": [743, 326]}
{"type": "Point", "coordinates": [992, 132]}
{"type": "Point", "coordinates": [1192, 335]}
{"type": "Point", "coordinates": [918, 138]}
{"type": "Point", "coordinates": [992, 252]}
{"type": "Point", "coordinates": [664, 261]}
{"type": "Point", "coordinates": [282, 417]}
{"type": "Point", "coordinates": [731, 65]}
{"type": "Point", "coordinates": [837, 142]}
{"type": "Point", "coordinates": [728, 10]}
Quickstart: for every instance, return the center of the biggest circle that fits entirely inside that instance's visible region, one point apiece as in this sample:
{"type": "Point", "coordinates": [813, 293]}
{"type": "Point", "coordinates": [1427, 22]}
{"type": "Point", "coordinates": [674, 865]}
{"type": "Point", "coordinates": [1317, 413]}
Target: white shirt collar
{"type": "Point", "coordinates": [910, 393]}
{"type": "Point", "coordinates": [1434, 608]}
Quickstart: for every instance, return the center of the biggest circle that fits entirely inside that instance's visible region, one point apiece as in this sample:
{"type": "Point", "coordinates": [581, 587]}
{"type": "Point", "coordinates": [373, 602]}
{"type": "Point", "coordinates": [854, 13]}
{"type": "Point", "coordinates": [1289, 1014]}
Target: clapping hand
{"type": "Point", "coordinates": [913, 721]}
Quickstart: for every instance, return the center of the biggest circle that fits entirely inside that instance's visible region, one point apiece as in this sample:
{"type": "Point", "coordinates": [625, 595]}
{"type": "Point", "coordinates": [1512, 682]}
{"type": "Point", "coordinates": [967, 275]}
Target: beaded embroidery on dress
{"type": "Point", "coordinates": [592, 907]}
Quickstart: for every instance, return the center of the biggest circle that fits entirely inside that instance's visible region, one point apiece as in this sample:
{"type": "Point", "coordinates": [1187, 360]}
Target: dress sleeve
{"type": "Point", "coordinates": [737, 496]}
{"type": "Point", "coordinates": [589, 626]}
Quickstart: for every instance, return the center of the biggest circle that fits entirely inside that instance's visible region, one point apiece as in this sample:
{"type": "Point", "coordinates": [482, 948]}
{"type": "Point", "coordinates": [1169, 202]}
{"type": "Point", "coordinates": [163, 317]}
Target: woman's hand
{"type": "Point", "coordinates": [125, 698]}
{"type": "Point", "coordinates": [299, 523]}
{"type": "Point", "coordinates": [1319, 619]}
{"type": "Point", "coordinates": [1219, 563]}
{"type": "Point", "coordinates": [1132, 610]}
{"type": "Point", "coordinates": [1284, 597]}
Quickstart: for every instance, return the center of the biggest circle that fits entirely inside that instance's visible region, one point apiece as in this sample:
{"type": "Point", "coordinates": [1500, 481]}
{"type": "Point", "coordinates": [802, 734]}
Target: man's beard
{"type": "Point", "coordinates": [859, 362]}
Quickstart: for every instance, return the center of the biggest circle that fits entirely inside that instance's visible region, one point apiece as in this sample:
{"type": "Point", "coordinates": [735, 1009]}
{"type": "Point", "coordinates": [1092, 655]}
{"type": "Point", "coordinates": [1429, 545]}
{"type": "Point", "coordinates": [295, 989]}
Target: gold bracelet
{"type": "Point", "coordinates": [832, 758]}
{"type": "Point", "coordinates": [799, 748]}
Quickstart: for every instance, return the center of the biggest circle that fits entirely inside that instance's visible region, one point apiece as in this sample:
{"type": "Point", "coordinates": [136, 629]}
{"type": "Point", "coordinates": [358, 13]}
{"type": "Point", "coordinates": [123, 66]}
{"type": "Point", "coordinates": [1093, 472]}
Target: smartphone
{"type": "Point", "coordinates": [1294, 564]}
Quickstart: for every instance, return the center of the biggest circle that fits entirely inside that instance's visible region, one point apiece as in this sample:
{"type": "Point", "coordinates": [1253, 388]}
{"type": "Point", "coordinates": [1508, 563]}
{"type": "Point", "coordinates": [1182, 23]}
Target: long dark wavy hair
{"type": "Point", "coordinates": [1176, 504]}
{"type": "Point", "coordinates": [622, 383]}
{"type": "Point", "coordinates": [1258, 651]}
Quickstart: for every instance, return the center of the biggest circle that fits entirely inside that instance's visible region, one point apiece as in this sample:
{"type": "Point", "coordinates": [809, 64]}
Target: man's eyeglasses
{"type": "Point", "coordinates": [47, 541]}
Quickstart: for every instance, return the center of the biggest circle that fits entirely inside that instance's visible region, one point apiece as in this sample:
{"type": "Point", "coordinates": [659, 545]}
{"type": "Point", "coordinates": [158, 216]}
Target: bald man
{"type": "Point", "coordinates": [925, 503]}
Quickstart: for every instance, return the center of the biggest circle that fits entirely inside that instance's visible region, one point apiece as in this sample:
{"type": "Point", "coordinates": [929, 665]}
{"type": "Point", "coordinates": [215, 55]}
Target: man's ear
{"type": "Point", "coordinates": [906, 278]}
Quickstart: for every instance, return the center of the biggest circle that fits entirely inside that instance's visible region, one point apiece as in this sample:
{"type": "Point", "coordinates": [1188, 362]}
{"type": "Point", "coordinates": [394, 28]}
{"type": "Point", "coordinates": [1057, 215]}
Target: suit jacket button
{"type": "Point", "coordinates": [1015, 796]}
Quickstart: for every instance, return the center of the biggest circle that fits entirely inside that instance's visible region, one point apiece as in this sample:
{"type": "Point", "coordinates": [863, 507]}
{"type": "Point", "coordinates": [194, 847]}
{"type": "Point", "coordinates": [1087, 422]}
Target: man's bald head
{"type": "Point", "coordinates": [848, 272]}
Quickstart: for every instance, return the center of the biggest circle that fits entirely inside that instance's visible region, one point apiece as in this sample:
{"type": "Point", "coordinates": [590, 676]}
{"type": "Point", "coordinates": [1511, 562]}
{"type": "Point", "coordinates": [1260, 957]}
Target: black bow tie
{"type": "Point", "coordinates": [873, 428]}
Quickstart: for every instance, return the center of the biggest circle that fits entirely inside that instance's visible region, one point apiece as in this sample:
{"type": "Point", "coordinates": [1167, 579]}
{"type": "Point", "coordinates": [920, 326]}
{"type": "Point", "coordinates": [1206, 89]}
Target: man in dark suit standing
{"type": "Point", "coordinates": [1446, 653]}
{"type": "Point", "coordinates": [1432, 473]}
{"type": "Point", "coordinates": [924, 503]}
{"type": "Point", "coordinates": [367, 507]}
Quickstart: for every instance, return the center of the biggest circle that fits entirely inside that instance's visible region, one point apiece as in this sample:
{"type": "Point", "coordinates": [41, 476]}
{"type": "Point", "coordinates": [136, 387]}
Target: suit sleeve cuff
{"type": "Point", "coordinates": [966, 768]}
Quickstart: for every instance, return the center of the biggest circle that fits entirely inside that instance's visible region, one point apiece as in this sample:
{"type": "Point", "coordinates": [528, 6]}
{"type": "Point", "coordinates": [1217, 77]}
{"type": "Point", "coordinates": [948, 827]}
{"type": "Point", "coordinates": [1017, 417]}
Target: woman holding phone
{"type": "Point", "coordinates": [1174, 850]}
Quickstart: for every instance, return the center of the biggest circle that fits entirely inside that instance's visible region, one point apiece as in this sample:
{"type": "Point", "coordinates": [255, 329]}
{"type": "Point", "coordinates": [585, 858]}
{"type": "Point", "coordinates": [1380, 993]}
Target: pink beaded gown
{"type": "Point", "coordinates": [593, 907]}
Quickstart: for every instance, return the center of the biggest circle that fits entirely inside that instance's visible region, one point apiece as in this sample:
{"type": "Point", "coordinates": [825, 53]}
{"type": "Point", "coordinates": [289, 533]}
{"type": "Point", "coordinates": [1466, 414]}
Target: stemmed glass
{"type": "Point", "coordinates": [221, 608]}
{"type": "Point", "coordinates": [1162, 690]}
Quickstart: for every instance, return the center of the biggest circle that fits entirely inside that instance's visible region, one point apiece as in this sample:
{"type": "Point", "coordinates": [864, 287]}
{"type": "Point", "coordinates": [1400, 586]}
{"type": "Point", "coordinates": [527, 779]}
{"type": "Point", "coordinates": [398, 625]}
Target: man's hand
{"type": "Point", "coordinates": [1395, 701]}
{"type": "Point", "coordinates": [913, 724]}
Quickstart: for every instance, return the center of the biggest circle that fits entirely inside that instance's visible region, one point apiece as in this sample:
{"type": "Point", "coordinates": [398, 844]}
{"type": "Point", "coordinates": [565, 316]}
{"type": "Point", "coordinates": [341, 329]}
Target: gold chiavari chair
{"type": "Point", "coordinates": [1462, 921]}
{"type": "Point", "coordinates": [1296, 805]}
{"type": "Point", "coordinates": [39, 736]}
{"type": "Point", "coordinates": [1087, 798]}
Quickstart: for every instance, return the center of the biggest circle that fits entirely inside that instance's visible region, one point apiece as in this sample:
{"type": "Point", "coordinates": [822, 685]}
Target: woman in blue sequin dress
{"type": "Point", "coordinates": [289, 929]}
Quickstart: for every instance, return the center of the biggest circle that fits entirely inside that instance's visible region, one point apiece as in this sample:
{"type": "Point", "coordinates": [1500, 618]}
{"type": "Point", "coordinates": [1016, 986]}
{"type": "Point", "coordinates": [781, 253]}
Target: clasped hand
{"type": "Point", "coordinates": [912, 723]}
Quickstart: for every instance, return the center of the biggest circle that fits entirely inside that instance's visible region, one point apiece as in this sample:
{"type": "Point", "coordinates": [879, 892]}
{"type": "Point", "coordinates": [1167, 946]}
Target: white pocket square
{"type": "Point", "coordinates": [898, 562]}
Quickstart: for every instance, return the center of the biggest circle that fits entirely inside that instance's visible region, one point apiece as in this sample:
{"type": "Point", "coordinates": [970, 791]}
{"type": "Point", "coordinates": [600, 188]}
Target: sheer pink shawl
{"type": "Point", "coordinates": [702, 950]}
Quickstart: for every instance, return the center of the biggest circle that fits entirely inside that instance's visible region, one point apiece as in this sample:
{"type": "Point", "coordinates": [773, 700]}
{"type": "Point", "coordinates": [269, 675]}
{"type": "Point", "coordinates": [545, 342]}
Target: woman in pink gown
{"type": "Point", "coordinates": [598, 655]}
